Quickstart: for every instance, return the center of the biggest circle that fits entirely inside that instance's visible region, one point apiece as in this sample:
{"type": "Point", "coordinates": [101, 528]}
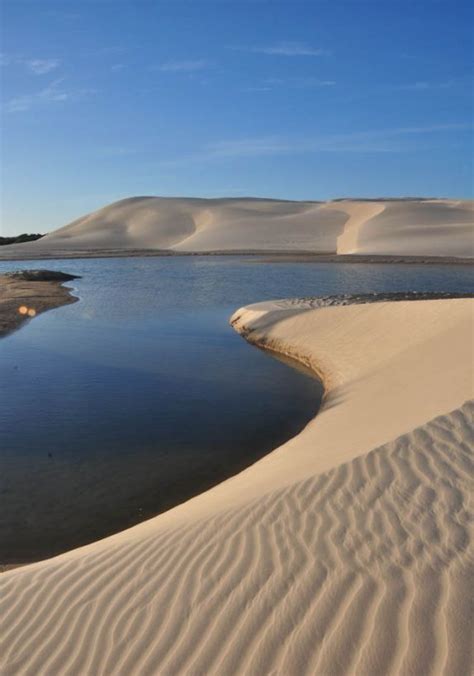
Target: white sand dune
{"type": "Point", "coordinates": [346, 550]}
{"type": "Point", "coordinates": [426, 227]}
{"type": "Point", "coordinates": [393, 227]}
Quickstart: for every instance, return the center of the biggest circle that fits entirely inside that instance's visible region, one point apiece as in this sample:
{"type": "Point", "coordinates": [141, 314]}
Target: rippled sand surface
{"type": "Point", "coordinates": [346, 550]}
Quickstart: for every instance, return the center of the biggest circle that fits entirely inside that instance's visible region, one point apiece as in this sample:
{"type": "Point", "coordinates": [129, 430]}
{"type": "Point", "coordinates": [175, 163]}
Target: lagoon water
{"type": "Point", "coordinates": [140, 395]}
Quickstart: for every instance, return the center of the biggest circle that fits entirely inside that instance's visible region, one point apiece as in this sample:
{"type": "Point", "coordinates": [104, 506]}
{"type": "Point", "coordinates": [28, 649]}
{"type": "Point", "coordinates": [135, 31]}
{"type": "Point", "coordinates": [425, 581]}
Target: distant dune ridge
{"type": "Point", "coordinates": [406, 227]}
{"type": "Point", "coordinates": [348, 550]}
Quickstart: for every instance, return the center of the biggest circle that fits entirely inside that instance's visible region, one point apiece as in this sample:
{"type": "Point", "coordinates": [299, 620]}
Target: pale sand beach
{"type": "Point", "coordinates": [22, 297]}
{"type": "Point", "coordinates": [346, 550]}
{"type": "Point", "coordinates": [167, 225]}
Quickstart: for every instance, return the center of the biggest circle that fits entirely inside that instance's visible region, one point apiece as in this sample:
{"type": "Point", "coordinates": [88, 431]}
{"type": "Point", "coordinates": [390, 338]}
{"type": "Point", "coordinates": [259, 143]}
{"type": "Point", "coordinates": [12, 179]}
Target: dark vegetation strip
{"type": "Point", "coordinates": [19, 239]}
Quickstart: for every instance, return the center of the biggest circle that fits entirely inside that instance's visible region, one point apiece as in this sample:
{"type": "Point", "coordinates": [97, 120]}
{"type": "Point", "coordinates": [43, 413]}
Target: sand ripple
{"type": "Point", "coordinates": [363, 569]}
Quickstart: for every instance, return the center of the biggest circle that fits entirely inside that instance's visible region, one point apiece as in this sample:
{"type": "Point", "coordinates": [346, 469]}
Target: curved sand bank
{"type": "Point", "coordinates": [23, 297]}
{"type": "Point", "coordinates": [402, 227]}
{"type": "Point", "coordinates": [346, 550]}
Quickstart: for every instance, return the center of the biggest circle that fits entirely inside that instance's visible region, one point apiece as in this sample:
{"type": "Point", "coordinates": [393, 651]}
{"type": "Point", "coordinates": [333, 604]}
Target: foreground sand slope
{"type": "Point", "coordinates": [347, 550]}
{"type": "Point", "coordinates": [393, 227]}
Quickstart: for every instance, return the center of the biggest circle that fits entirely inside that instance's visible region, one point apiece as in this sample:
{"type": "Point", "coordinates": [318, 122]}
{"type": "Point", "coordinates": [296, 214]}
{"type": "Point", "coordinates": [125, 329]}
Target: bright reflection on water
{"type": "Point", "coordinates": [141, 395]}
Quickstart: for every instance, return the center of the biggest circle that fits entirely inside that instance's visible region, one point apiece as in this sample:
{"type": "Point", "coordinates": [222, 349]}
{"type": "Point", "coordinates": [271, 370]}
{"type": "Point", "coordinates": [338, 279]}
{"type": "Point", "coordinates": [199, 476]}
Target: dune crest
{"type": "Point", "coordinates": [345, 551]}
{"type": "Point", "coordinates": [405, 227]}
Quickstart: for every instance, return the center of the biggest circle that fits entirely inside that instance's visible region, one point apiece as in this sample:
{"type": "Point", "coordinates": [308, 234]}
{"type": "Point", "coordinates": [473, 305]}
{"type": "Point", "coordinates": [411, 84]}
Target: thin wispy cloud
{"type": "Point", "coordinates": [33, 65]}
{"type": "Point", "coordinates": [186, 66]}
{"type": "Point", "coordinates": [282, 49]}
{"type": "Point", "coordinates": [257, 89]}
{"type": "Point", "coordinates": [41, 66]}
{"type": "Point", "coordinates": [398, 139]}
{"type": "Point", "coordinates": [422, 86]}
{"type": "Point", "coordinates": [53, 93]}
{"type": "Point", "coordinates": [426, 129]}
{"type": "Point", "coordinates": [272, 83]}
{"type": "Point", "coordinates": [312, 82]}
{"type": "Point", "coordinates": [274, 145]}
{"type": "Point", "coordinates": [386, 140]}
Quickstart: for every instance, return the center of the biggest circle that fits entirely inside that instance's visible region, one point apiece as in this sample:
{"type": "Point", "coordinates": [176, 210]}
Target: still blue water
{"type": "Point", "coordinates": [140, 395]}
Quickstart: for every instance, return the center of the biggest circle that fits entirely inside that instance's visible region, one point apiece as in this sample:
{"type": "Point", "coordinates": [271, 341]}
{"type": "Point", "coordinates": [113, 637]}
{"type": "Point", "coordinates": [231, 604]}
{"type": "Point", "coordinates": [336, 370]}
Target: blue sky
{"type": "Point", "coordinates": [300, 100]}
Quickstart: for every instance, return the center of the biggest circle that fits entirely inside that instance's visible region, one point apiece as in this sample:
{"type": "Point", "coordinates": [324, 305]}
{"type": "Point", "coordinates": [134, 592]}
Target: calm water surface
{"type": "Point", "coordinates": [141, 395]}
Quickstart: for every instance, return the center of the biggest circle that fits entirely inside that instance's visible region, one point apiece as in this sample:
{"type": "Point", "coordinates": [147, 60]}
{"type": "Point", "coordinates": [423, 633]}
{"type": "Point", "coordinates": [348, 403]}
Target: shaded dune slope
{"type": "Point", "coordinates": [396, 227]}
{"type": "Point", "coordinates": [435, 228]}
{"type": "Point", "coordinates": [186, 224]}
{"type": "Point", "coordinates": [347, 550]}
